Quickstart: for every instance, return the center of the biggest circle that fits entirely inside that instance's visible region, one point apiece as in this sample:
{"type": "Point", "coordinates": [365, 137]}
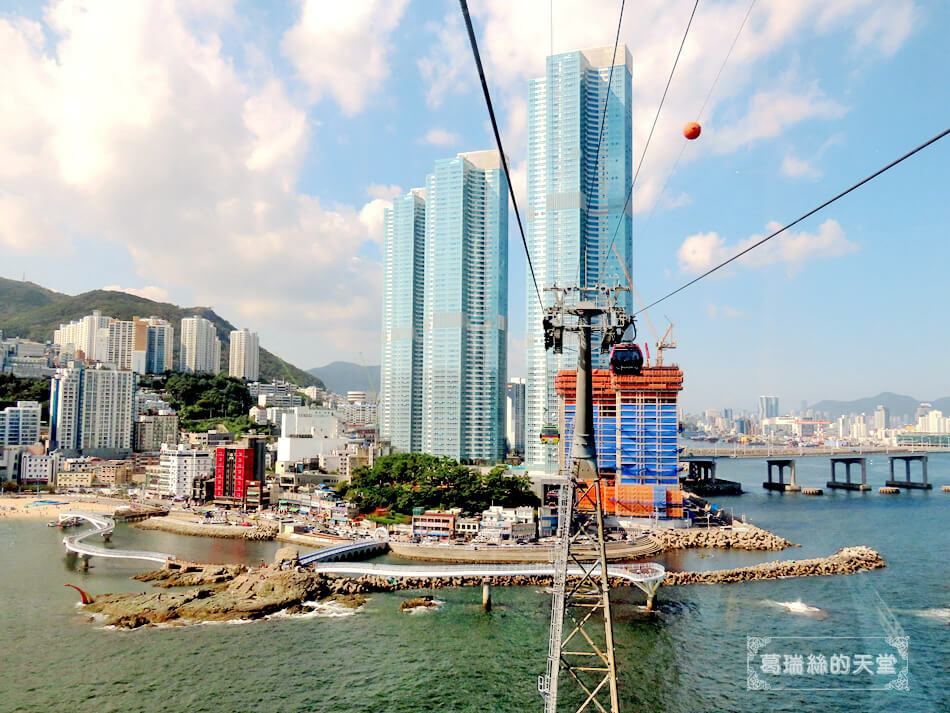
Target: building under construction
{"type": "Point", "coordinates": [636, 429]}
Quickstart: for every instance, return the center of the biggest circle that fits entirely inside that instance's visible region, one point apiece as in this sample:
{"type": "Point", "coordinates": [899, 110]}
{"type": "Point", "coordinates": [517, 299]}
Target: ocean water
{"type": "Point", "coordinates": [691, 657]}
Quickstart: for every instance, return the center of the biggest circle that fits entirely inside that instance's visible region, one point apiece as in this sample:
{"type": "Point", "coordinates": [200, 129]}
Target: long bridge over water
{"type": "Point", "coordinates": [645, 576]}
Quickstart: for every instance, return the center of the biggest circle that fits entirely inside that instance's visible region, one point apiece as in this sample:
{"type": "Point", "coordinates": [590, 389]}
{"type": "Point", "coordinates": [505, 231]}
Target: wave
{"type": "Point", "coordinates": [933, 613]}
{"type": "Point", "coordinates": [799, 607]}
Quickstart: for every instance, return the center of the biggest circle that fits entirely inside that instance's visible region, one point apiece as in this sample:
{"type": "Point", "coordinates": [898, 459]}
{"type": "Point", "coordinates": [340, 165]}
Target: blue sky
{"type": "Point", "coordinates": [241, 156]}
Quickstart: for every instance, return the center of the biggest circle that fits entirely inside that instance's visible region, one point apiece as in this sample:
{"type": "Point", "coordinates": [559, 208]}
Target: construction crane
{"type": "Point", "coordinates": [667, 342]}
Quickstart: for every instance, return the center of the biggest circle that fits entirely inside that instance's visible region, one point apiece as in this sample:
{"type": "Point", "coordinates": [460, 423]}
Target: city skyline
{"type": "Point", "coordinates": [809, 102]}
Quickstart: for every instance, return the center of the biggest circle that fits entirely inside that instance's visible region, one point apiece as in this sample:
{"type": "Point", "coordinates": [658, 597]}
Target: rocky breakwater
{"type": "Point", "coordinates": [848, 560]}
{"type": "Point", "coordinates": [258, 531]}
{"type": "Point", "coordinates": [747, 537]}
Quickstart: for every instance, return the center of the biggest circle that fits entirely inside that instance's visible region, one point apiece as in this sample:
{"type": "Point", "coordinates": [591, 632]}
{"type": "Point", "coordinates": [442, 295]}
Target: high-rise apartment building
{"type": "Point", "coordinates": [80, 337]}
{"type": "Point", "coordinates": [400, 405]}
{"type": "Point", "coordinates": [882, 418]}
{"type": "Point", "coordinates": [514, 418]}
{"type": "Point", "coordinates": [153, 343]}
{"type": "Point", "coordinates": [244, 355]}
{"type": "Point", "coordinates": [577, 206]}
{"type": "Point", "coordinates": [768, 407]}
{"type": "Point", "coordinates": [200, 346]}
{"type": "Point", "coordinates": [20, 424]}
{"type": "Point", "coordinates": [91, 409]}
{"type": "Point", "coordinates": [465, 313]}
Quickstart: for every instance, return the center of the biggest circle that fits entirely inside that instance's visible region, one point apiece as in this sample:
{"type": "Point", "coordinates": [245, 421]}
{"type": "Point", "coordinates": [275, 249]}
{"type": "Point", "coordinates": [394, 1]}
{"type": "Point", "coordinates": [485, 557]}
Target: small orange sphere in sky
{"type": "Point", "coordinates": [691, 130]}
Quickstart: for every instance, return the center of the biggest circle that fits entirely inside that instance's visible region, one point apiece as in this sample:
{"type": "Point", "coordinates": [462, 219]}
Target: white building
{"type": "Point", "coordinates": [310, 422]}
{"type": "Point", "coordinates": [200, 346]}
{"type": "Point", "coordinates": [38, 469]}
{"type": "Point", "coordinates": [179, 466]}
{"type": "Point", "coordinates": [91, 408]}
{"type": "Point", "coordinates": [82, 335]}
{"type": "Point", "coordinates": [244, 359]}
{"type": "Point", "coordinates": [20, 424]}
{"type": "Point", "coordinates": [933, 422]}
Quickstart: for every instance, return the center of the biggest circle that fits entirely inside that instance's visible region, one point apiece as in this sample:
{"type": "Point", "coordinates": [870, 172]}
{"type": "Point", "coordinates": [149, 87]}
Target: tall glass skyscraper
{"type": "Point", "coordinates": [575, 204]}
{"type": "Point", "coordinates": [465, 308]}
{"type": "Point", "coordinates": [400, 405]}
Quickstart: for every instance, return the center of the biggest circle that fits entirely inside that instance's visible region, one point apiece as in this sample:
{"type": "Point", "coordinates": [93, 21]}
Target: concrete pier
{"type": "Point", "coordinates": [780, 485]}
{"type": "Point", "coordinates": [486, 596]}
{"type": "Point", "coordinates": [701, 478]}
{"type": "Point", "coordinates": [847, 483]}
{"type": "Point", "coordinates": [908, 483]}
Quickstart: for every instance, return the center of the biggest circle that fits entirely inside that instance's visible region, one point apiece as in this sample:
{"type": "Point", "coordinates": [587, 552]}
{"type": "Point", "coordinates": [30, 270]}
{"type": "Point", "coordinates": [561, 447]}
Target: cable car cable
{"type": "Point", "coordinates": [501, 151]}
{"type": "Point", "coordinates": [650, 135]}
{"type": "Point", "coordinates": [781, 230]}
{"type": "Point", "coordinates": [699, 117]}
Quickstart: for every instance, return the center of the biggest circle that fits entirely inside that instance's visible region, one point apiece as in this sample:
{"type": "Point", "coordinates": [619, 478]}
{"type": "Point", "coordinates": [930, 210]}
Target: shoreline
{"type": "Point", "coordinates": [17, 507]}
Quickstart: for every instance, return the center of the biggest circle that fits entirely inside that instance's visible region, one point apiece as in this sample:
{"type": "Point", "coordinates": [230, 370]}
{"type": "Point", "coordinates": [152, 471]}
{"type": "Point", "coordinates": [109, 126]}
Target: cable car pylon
{"type": "Point", "coordinates": [581, 641]}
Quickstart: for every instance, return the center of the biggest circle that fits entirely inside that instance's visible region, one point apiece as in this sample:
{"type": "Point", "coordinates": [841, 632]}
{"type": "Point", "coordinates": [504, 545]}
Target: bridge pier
{"type": "Point", "coordinates": [84, 559]}
{"type": "Point", "coordinates": [780, 485]}
{"type": "Point", "coordinates": [848, 461]}
{"type": "Point", "coordinates": [486, 595]}
{"type": "Point", "coordinates": [908, 483]}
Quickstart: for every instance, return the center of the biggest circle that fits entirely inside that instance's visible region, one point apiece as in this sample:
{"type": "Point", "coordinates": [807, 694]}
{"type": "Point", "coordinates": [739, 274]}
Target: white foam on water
{"type": "Point", "coordinates": [934, 613]}
{"type": "Point", "coordinates": [318, 609]}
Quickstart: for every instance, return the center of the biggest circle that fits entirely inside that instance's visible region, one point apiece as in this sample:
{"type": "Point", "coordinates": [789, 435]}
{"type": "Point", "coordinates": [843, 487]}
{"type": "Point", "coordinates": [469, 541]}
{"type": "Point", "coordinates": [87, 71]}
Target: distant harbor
{"type": "Point", "coordinates": [735, 450]}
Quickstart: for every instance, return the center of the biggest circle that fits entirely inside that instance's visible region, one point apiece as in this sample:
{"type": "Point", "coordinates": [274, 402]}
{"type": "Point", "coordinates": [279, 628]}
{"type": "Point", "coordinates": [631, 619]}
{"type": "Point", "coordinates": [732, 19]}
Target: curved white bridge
{"type": "Point", "coordinates": [646, 576]}
{"type": "Point", "coordinates": [103, 525]}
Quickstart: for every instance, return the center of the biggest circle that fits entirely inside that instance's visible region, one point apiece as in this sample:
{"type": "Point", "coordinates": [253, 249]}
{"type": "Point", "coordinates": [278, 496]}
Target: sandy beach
{"type": "Point", "coordinates": [21, 507]}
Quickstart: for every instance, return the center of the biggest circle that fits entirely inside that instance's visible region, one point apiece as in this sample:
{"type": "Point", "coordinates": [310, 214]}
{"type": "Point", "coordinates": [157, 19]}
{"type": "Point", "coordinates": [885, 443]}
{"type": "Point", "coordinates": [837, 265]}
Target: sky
{"type": "Point", "coordinates": [239, 155]}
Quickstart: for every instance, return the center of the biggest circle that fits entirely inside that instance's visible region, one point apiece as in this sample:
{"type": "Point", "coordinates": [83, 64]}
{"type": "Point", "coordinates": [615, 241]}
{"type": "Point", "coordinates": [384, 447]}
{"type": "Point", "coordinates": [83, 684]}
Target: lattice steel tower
{"type": "Point", "coordinates": [581, 641]}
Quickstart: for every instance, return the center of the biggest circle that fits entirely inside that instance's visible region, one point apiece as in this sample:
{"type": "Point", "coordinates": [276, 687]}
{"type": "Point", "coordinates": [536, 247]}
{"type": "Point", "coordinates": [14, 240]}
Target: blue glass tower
{"type": "Point", "coordinates": [400, 405]}
{"type": "Point", "coordinates": [575, 204]}
{"type": "Point", "coordinates": [466, 308]}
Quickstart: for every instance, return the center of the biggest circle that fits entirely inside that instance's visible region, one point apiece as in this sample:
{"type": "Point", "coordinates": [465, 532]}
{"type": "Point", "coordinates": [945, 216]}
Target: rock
{"type": "Point", "coordinates": [423, 601]}
{"type": "Point", "coordinates": [289, 554]}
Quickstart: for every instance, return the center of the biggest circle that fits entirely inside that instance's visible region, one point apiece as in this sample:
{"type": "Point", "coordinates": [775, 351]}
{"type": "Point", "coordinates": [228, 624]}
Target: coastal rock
{"type": "Point", "coordinates": [749, 537]}
{"type": "Point", "coordinates": [848, 560]}
{"type": "Point", "coordinates": [425, 601]}
{"type": "Point", "coordinates": [289, 554]}
{"type": "Point", "coordinates": [192, 575]}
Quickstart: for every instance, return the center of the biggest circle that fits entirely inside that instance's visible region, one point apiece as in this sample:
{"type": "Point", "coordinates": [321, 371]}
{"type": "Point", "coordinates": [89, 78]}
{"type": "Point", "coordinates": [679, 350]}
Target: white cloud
{"type": "Point", "coordinates": [799, 168]}
{"type": "Point", "coordinates": [771, 112]}
{"type": "Point", "coordinates": [154, 142]}
{"type": "Point", "coordinates": [702, 251]}
{"type": "Point", "coordinates": [341, 48]}
{"type": "Point", "coordinates": [515, 38]}
{"type": "Point", "coordinates": [439, 137]}
{"type": "Point", "coordinates": [383, 192]}
{"type": "Point", "coordinates": [887, 26]}
{"type": "Point", "coordinates": [149, 292]}
{"type": "Point", "coordinates": [371, 215]}
{"type": "Point", "coordinates": [448, 68]}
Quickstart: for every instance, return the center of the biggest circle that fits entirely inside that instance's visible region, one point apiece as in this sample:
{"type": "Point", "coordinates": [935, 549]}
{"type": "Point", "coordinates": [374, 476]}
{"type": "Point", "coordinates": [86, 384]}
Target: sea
{"type": "Point", "coordinates": [707, 648]}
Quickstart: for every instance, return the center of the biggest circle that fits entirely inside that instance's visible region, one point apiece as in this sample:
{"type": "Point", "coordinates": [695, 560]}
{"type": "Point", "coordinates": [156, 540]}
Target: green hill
{"type": "Point", "coordinates": [33, 312]}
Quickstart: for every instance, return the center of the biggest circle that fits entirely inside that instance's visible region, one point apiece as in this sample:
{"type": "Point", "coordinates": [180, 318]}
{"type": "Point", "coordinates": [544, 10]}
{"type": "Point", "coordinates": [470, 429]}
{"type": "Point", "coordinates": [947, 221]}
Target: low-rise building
{"type": "Point", "coordinates": [434, 523]}
{"type": "Point", "coordinates": [38, 469]}
{"type": "Point", "coordinates": [74, 479]}
{"type": "Point", "coordinates": [113, 472]}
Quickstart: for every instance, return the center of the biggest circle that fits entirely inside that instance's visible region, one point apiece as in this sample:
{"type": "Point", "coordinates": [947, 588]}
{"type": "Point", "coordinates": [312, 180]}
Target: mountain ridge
{"type": "Point", "coordinates": [343, 376]}
{"type": "Point", "coordinates": [899, 405]}
{"type": "Point", "coordinates": [31, 311]}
